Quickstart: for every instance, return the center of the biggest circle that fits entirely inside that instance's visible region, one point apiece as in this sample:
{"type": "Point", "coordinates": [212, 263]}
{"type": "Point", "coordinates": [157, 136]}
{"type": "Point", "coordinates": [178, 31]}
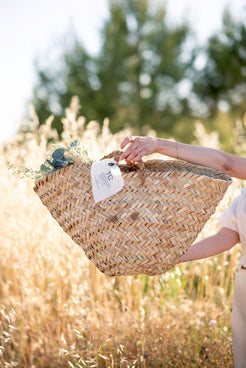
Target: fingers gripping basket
{"type": "Point", "coordinates": [143, 229]}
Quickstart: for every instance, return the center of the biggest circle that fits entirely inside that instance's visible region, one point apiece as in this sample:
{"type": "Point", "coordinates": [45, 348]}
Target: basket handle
{"type": "Point", "coordinates": [139, 166]}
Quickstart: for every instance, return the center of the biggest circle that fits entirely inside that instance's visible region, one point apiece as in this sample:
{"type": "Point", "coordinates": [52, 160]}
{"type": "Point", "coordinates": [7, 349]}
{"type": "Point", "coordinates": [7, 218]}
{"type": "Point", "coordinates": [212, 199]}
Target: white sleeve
{"type": "Point", "coordinates": [229, 216]}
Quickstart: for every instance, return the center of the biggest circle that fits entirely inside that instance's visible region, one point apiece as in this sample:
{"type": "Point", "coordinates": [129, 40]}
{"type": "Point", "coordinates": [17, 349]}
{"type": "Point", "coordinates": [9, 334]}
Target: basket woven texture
{"type": "Point", "coordinates": [146, 227]}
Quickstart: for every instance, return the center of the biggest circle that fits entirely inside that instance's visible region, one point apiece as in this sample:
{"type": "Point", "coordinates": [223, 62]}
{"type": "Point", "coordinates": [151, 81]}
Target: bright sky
{"type": "Point", "coordinates": [30, 28]}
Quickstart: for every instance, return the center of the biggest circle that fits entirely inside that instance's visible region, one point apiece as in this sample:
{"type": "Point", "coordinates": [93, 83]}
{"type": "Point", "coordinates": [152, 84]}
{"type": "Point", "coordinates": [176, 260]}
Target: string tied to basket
{"type": "Point", "coordinates": [138, 166]}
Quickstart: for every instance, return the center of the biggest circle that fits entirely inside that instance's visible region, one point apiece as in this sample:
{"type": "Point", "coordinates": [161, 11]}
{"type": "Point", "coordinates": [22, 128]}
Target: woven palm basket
{"type": "Point", "coordinates": [147, 226]}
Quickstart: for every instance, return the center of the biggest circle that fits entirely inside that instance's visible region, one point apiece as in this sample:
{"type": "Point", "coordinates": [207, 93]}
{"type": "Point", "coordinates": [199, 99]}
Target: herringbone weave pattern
{"type": "Point", "coordinates": [145, 228]}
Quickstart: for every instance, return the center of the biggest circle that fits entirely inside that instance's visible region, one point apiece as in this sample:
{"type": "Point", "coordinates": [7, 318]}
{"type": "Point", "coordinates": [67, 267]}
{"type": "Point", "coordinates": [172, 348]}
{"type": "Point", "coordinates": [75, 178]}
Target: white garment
{"type": "Point", "coordinates": [238, 320]}
{"type": "Point", "coordinates": [234, 217]}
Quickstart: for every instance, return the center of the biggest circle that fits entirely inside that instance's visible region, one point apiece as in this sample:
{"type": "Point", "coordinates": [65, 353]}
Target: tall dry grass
{"type": "Point", "coordinates": [58, 310]}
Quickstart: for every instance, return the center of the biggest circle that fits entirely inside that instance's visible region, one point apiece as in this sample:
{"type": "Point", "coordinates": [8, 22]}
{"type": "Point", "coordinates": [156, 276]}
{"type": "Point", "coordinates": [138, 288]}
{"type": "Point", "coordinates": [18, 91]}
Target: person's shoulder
{"type": "Point", "coordinates": [238, 200]}
{"type": "Point", "coordinates": [241, 197]}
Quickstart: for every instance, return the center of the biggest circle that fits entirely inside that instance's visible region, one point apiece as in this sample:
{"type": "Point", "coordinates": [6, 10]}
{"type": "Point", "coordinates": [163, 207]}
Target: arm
{"type": "Point", "coordinates": [224, 240]}
{"type": "Point", "coordinates": [141, 146]}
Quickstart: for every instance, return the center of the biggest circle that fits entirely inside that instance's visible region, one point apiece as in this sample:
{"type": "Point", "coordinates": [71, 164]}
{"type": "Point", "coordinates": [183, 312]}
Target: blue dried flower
{"type": "Point", "coordinates": [58, 154]}
{"type": "Point", "coordinates": [74, 143]}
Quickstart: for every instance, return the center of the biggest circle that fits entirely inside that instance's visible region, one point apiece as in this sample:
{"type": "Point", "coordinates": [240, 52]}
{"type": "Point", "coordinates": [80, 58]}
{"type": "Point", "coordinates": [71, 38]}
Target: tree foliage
{"type": "Point", "coordinates": [142, 75]}
{"type": "Point", "coordinates": [222, 82]}
{"type": "Point", "coordinates": [134, 79]}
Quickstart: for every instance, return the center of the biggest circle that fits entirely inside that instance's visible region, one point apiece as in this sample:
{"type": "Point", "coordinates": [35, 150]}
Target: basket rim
{"type": "Point", "coordinates": [152, 166]}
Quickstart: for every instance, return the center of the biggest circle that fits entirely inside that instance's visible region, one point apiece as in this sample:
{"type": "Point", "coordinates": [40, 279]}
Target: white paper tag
{"type": "Point", "coordinates": [106, 179]}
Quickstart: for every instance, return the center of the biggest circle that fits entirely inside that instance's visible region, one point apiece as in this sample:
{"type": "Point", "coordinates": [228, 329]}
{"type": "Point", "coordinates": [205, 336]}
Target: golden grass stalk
{"type": "Point", "coordinates": [58, 310]}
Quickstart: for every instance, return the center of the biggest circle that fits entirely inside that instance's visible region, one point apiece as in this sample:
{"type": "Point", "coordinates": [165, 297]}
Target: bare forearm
{"type": "Point", "coordinates": [216, 244]}
{"type": "Point", "coordinates": [203, 156]}
{"type": "Point", "coordinates": [142, 146]}
{"type": "Point", "coordinates": [202, 249]}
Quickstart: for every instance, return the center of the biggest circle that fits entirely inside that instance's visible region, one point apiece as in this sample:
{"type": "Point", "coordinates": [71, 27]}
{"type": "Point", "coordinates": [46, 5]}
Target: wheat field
{"type": "Point", "coordinates": [58, 310]}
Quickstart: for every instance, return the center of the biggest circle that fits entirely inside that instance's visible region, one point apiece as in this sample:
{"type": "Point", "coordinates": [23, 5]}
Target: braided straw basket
{"type": "Point", "coordinates": [147, 226]}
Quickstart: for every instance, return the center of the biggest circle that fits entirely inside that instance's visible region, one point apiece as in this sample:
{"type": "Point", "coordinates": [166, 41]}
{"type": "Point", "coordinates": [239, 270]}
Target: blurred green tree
{"type": "Point", "coordinates": [136, 78]}
{"type": "Point", "coordinates": [221, 84]}
{"type": "Point", "coordinates": [148, 73]}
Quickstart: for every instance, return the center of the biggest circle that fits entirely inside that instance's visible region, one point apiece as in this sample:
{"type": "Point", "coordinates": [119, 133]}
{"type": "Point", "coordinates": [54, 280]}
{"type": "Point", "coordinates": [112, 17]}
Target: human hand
{"type": "Point", "coordinates": [140, 146]}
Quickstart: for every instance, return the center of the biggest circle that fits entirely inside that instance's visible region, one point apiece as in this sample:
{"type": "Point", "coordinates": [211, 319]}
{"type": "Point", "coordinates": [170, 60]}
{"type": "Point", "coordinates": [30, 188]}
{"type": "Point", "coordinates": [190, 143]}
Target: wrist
{"type": "Point", "coordinates": [168, 148]}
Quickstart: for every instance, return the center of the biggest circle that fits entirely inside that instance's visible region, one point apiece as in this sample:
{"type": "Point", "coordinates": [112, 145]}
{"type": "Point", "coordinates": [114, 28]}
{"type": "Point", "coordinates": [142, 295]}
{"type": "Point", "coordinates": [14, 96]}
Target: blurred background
{"type": "Point", "coordinates": [97, 71]}
{"type": "Point", "coordinates": [158, 64]}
